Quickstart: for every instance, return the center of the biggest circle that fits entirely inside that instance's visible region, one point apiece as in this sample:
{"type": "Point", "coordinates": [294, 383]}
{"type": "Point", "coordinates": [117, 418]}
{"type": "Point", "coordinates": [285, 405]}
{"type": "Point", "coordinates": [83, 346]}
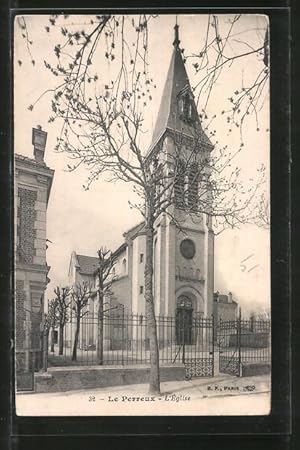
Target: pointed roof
{"type": "Point", "coordinates": [177, 82]}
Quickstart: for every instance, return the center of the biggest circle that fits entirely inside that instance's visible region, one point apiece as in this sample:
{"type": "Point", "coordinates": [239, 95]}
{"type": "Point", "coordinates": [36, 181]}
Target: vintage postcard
{"type": "Point", "coordinates": [142, 219]}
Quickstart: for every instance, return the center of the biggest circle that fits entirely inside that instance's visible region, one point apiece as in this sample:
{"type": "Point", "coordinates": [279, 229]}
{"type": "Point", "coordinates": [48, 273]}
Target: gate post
{"type": "Point", "coordinates": [239, 342]}
{"type": "Point", "coordinates": [122, 345]}
{"type": "Point", "coordinates": [213, 346]}
{"type": "Point", "coordinates": [183, 347]}
{"type": "Point", "coordinates": [45, 351]}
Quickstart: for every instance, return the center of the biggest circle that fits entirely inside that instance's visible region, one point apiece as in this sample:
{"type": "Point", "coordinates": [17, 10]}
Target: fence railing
{"type": "Point", "coordinates": [243, 342]}
{"type": "Point", "coordinates": [124, 339]}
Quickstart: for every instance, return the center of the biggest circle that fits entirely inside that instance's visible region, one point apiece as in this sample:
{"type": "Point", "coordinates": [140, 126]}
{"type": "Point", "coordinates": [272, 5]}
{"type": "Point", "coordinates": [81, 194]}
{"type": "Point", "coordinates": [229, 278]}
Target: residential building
{"type": "Point", "coordinates": [33, 181]}
{"type": "Point", "coordinates": [225, 308]}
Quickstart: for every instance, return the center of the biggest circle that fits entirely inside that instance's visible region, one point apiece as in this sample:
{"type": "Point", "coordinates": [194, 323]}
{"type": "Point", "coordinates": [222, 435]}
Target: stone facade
{"type": "Point", "coordinates": [33, 180]}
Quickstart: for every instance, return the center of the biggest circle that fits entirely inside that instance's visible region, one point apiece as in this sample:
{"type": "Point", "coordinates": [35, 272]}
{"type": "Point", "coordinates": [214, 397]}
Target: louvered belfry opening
{"type": "Point", "coordinates": [186, 186]}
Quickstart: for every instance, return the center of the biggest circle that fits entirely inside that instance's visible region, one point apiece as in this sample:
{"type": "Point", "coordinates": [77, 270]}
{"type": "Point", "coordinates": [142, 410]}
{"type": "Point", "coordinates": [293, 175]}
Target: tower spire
{"type": "Point", "coordinates": [176, 39]}
{"type": "Point", "coordinates": [174, 114]}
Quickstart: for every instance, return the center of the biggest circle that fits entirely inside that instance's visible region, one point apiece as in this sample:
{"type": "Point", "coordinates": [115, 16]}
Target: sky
{"type": "Point", "coordinates": [85, 220]}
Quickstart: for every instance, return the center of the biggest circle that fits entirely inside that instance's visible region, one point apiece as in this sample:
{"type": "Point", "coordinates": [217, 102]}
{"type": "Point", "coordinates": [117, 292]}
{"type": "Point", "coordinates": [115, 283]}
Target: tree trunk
{"type": "Point", "coordinates": [61, 339]}
{"type": "Point", "coordinates": [41, 359]}
{"type": "Point", "coordinates": [100, 331]}
{"type": "Point", "coordinates": [154, 381]}
{"type": "Point", "coordinates": [45, 351]}
{"type": "Point", "coordinates": [52, 341]}
{"type": "Point", "coordinates": [74, 354]}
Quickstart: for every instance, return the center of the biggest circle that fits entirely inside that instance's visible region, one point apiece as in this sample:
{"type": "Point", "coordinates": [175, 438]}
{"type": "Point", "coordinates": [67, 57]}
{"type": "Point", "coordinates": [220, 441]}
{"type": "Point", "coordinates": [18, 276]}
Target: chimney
{"type": "Point", "coordinates": [229, 297]}
{"type": "Point", "coordinates": [39, 138]}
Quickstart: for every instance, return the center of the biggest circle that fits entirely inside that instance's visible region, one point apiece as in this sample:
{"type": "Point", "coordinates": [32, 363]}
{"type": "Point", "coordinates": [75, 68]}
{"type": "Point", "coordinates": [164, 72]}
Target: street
{"type": "Point", "coordinates": [222, 395]}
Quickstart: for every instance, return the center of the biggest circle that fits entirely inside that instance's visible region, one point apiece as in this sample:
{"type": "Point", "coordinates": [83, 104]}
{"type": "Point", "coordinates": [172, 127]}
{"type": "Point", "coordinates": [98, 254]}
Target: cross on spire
{"type": "Point", "coordinates": [176, 40]}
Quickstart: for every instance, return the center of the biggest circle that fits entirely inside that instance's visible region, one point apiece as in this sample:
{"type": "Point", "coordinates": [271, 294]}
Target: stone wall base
{"type": "Point", "coordinates": [59, 379]}
{"type": "Point", "coordinates": [249, 370]}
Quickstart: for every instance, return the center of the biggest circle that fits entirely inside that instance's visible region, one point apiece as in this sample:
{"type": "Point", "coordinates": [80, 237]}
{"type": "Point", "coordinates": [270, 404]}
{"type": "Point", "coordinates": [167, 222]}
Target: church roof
{"type": "Point", "coordinates": [120, 249]}
{"type": "Point", "coordinates": [168, 115]}
{"type": "Point", "coordinates": [132, 232]}
{"type": "Point", "coordinates": [87, 264]}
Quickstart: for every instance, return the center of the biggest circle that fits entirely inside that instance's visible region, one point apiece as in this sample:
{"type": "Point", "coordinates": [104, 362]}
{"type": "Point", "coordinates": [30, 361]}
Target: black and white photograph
{"type": "Point", "coordinates": [142, 214]}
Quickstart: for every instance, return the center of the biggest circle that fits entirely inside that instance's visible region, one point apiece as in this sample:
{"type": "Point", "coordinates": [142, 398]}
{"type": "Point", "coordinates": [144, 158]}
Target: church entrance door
{"type": "Point", "coordinates": [194, 339]}
{"type": "Point", "coordinates": [184, 321]}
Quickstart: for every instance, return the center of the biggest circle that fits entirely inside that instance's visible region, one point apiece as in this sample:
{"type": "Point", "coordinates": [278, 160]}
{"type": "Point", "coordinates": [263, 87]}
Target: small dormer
{"type": "Point", "coordinates": [185, 105]}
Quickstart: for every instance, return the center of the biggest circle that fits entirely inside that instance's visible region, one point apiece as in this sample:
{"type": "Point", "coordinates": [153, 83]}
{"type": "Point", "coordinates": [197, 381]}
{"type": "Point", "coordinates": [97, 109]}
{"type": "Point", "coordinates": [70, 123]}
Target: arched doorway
{"type": "Point", "coordinates": [184, 320]}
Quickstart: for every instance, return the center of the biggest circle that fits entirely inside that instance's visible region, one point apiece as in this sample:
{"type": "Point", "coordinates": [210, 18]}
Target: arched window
{"type": "Point", "coordinates": [193, 195]}
{"type": "Point", "coordinates": [124, 265]}
{"type": "Point", "coordinates": [179, 184]}
{"type": "Point", "coordinates": [189, 111]}
{"type": "Point", "coordinates": [185, 107]}
{"type": "Point", "coordinates": [181, 106]}
{"type": "Point", "coordinates": [184, 301]}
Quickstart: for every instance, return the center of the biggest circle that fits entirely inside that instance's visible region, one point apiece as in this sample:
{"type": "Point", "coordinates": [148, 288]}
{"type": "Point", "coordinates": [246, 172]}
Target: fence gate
{"type": "Point", "coordinates": [195, 341]}
{"type": "Point", "coordinates": [229, 333]}
{"type": "Point", "coordinates": [243, 342]}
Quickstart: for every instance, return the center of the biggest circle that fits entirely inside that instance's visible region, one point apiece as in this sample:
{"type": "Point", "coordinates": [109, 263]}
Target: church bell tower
{"type": "Point", "coordinates": [184, 238]}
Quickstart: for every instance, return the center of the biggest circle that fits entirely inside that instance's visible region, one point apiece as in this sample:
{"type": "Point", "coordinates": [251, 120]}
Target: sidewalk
{"type": "Point", "coordinates": [200, 396]}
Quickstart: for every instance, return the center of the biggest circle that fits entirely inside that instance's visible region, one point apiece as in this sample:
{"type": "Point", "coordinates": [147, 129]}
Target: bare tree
{"type": "Point", "coordinates": [102, 128]}
{"type": "Point", "coordinates": [226, 43]}
{"type": "Point", "coordinates": [105, 279]}
{"type": "Point", "coordinates": [262, 314]}
{"type": "Point", "coordinates": [50, 321]}
{"type": "Point", "coordinates": [80, 296]}
{"type": "Point", "coordinates": [63, 303]}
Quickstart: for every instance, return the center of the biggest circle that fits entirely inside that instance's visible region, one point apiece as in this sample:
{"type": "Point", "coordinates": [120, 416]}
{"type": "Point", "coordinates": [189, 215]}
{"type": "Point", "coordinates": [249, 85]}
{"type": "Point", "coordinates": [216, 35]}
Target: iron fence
{"type": "Point", "coordinates": [124, 340]}
{"type": "Point", "coordinates": [242, 342]}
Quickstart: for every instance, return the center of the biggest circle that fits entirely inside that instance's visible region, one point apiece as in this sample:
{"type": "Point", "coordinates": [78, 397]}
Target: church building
{"type": "Point", "coordinates": [183, 243]}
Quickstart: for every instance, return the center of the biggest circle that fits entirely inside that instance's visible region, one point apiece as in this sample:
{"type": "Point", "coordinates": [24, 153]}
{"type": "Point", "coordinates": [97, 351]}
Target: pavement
{"type": "Point", "coordinates": [221, 395]}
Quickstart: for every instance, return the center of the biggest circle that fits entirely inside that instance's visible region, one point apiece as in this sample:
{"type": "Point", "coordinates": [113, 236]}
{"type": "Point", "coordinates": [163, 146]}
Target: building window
{"type": "Point", "coordinates": [124, 265]}
{"type": "Point", "coordinates": [179, 184]}
{"type": "Point", "coordinates": [141, 289]}
{"type": "Point", "coordinates": [141, 257]}
{"type": "Point", "coordinates": [26, 230]}
{"type": "Point", "coordinates": [193, 187]}
{"type": "Point", "coordinates": [187, 249]}
{"type": "Point", "coordinates": [185, 107]}
{"type": "Point", "coordinates": [186, 186]}
{"type": "Point", "coordinates": [181, 107]}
